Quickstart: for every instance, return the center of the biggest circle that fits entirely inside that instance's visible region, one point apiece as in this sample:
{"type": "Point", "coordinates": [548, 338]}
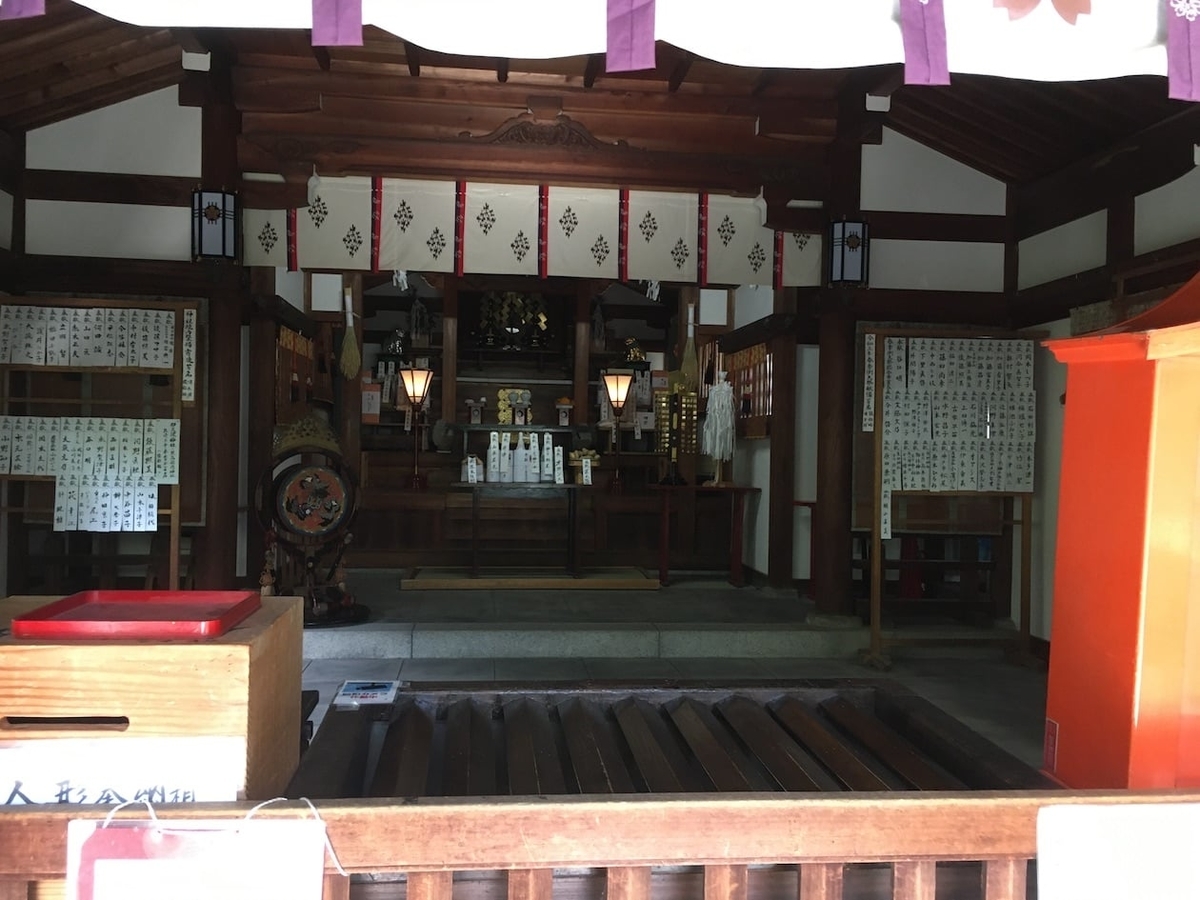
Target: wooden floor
{"type": "Point", "coordinates": [837, 735]}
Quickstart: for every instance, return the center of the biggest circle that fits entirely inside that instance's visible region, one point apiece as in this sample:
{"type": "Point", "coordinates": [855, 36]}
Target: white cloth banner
{"type": "Point", "coordinates": [417, 228]}
{"type": "Point", "coordinates": [802, 259]}
{"type": "Point", "coordinates": [501, 236]}
{"type": "Point", "coordinates": [264, 237]}
{"type": "Point", "coordinates": [334, 232]}
{"type": "Point", "coordinates": [662, 236]}
{"type": "Point", "coordinates": [582, 236]}
{"type": "Point", "coordinates": [740, 249]}
{"type": "Point", "coordinates": [1119, 37]}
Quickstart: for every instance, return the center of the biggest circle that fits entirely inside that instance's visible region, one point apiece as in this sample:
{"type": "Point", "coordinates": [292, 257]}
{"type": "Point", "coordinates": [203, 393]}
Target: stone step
{"type": "Point", "coordinates": [569, 640]}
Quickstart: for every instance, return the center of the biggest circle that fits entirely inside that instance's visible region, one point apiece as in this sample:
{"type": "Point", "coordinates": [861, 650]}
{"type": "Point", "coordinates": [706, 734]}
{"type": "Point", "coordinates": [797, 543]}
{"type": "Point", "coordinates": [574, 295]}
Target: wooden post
{"type": "Point", "coordinates": [260, 396]}
{"type": "Point", "coordinates": [831, 580]}
{"type": "Point", "coordinates": [449, 368]}
{"type": "Point", "coordinates": [216, 565]}
{"type": "Point", "coordinates": [583, 350]}
{"type": "Point", "coordinates": [781, 494]}
{"type": "Point", "coordinates": [1123, 685]}
{"type": "Point", "coordinates": [350, 430]}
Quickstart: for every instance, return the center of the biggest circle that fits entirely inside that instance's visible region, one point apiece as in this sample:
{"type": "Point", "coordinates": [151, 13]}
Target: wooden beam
{"type": "Point", "coordinates": [502, 70]}
{"type": "Point", "coordinates": [270, 88]}
{"type": "Point", "coordinates": [1119, 240]}
{"type": "Point", "coordinates": [777, 324]}
{"type": "Point", "coordinates": [274, 194]}
{"type": "Point", "coordinates": [679, 73]}
{"type": "Point", "coordinates": [450, 320]}
{"type": "Point", "coordinates": [917, 226]}
{"type": "Point", "coordinates": [583, 343]}
{"type": "Point", "coordinates": [108, 187]}
{"type": "Point", "coordinates": [780, 216]}
{"type": "Point", "coordinates": [1149, 159]}
{"type": "Point", "coordinates": [412, 53]}
{"type": "Point", "coordinates": [10, 160]}
{"type": "Point", "coordinates": [321, 55]}
{"type": "Point", "coordinates": [524, 163]}
{"type": "Point", "coordinates": [892, 304]}
{"type": "Point", "coordinates": [139, 277]}
{"type": "Point", "coordinates": [1055, 299]}
{"type": "Point", "coordinates": [161, 71]}
{"type": "Point", "coordinates": [595, 65]}
{"type": "Point", "coordinates": [260, 399]}
{"type": "Point", "coordinates": [19, 205]}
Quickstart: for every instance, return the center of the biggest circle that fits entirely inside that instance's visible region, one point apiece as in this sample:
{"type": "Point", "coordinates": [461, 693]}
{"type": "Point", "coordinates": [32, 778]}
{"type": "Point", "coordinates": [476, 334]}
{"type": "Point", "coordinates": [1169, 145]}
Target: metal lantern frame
{"type": "Point", "coordinates": [849, 252]}
{"type": "Point", "coordinates": [214, 225]}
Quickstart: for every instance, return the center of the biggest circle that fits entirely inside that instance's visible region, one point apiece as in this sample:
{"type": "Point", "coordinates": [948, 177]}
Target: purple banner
{"type": "Point", "coordinates": [337, 23]}
{"type": "Point", "coordinates": [22, 9]}
{"type": "Point", "coordinates": [630, 35]}
{"type": "Point", "coordinates": [1183, 53]}
{"type": "Point", "coordinates": [923, 27]}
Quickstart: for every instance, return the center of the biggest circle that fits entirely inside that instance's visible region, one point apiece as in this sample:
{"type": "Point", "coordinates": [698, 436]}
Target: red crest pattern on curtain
{"type": "Point", "coordinates": [1070, 10]}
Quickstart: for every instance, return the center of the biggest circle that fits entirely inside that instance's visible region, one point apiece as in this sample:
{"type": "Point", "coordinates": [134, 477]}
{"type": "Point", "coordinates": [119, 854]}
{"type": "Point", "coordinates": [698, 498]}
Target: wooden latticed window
{"type": "Point", "coordinates": [750, 373]}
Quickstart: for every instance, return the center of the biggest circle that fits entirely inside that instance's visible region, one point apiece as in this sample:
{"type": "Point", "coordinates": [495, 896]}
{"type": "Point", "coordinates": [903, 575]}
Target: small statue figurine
{"type": "Point", "coordinates": [633, 351]}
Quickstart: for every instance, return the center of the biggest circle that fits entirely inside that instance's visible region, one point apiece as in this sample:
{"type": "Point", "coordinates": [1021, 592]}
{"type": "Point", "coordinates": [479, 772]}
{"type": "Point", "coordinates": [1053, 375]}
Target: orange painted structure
{"type": "Point", "coordinates": [1123, 703]}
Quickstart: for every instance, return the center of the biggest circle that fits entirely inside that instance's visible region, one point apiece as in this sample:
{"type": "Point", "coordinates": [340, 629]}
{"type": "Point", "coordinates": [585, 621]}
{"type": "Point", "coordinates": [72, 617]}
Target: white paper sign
{"type": "Point", "coordinates": [188, 377]}
{"type": "Point", "coordinates": [234, 859]}
{"type": "Point", "coordinates": [101, 770]}
{"type": "Point", "coordinates": [587, 469]}
{"type": "Point", "coordinates": [559, 473]}
{"type": "Point", "coordinates": [1119, 851]}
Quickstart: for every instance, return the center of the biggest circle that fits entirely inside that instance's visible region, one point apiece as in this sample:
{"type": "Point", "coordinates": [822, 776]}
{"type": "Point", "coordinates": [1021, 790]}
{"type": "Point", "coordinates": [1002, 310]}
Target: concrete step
{"type": "Point", "coordinates": [591, 640]}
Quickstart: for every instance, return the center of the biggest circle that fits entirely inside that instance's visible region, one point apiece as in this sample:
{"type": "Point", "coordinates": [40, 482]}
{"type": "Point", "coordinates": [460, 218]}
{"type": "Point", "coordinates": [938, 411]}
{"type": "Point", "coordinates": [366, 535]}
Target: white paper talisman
{"type": "Point", "coordinates": [559, 474]}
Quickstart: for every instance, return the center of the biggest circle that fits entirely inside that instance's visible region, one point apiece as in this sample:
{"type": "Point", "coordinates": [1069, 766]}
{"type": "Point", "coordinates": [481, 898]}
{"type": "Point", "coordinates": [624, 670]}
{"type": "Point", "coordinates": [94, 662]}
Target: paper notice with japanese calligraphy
{"type": "Point", "coordinates": [868, 399]}
{"type": "Point", "coordinates": [187, 383]}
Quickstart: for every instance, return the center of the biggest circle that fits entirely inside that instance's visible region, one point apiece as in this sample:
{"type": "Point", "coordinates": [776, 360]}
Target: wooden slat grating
{"type": "Point", "coordinates": [664, 741]}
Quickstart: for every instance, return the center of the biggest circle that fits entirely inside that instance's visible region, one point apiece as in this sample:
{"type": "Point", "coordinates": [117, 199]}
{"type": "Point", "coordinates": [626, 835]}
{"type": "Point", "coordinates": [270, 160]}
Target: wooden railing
{"type": "Point", "coordinates": [749, 846]}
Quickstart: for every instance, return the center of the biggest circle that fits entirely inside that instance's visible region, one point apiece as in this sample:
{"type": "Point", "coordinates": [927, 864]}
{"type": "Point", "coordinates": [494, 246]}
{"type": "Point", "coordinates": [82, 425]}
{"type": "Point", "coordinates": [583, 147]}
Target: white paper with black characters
{"type": "Point", "coordinates": [582, 232]}
{"type": "Point", "coordinates": [334, 231]}
{"type": "Point", "coordinates": [501, 229]}
{"type": "Point", "coordinates": [801, 259]}
{"type": "Point", "coordinates": [58, 337]}
{"type": "Point", "coordinates": [740, 249]}
{"type": "Point", "coordinates": [264, 237]}
{"type": "Point", "coordinates": [187, 384]}
{"type": "Point", "coordinates": [662, 236]}
{"type": "Point", "coordinates": [417, 225]}
{"type": "Point", "coordinates": [868, 400]}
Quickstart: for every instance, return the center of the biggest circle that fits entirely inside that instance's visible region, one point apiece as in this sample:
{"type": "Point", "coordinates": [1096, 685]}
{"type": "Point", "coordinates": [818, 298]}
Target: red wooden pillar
{"type": "Point", "coordinates": [1123, 704]}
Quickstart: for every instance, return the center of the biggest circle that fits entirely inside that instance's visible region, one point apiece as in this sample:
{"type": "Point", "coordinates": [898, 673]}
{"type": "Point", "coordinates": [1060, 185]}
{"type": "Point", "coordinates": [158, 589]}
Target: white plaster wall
{"type": "Point", "coordinates": [117, 231]}
{"type": "Point", "coordinates": [326, 292]}
{"type": "Point", "coordinates": [714, 307]}
{"type": "Point", "coordinates": [1066, 250]}
{"type": "Point", "coordinates": [290, 286]}
{"type": "Point", "coordinates": [1167, 215]}
{"type": "Point", "coordinates": [903, 175]}
{"type": "Point", "coordinates": [751, 303]}
{"type": "Point", "coordinates": [752, 466]}
{"type": "Point", "coordinates": [936, 265]}
{"type": "Point", "coordinates": [6, 216]}
{"type": "Point", "coordinates": [806, 458]}
{"type": "Point", "coordinates": [1050, 382]}
{"type": "Point", "coordinates": [147, 135]}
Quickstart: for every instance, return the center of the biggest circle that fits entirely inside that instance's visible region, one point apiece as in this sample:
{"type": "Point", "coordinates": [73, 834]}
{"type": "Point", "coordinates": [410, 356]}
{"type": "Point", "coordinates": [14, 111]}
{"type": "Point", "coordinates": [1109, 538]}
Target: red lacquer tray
{"type": "Point", "coordinates": [153, 615]}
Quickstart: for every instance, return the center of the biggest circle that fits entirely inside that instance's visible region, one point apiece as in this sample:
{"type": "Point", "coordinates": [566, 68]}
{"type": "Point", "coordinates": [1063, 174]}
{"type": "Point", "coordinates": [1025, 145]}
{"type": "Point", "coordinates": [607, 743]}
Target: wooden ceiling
{"type": "Point", "coordinates": [390, 107]}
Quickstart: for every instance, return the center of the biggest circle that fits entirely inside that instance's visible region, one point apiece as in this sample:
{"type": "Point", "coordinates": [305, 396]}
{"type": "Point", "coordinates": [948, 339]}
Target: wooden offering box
{"type": "Point", "coordinates": [238, 693]}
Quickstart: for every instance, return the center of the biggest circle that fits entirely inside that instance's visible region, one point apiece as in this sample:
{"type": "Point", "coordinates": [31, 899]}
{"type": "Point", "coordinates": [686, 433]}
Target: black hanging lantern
{"type": "Point", "coordinates": [214, 225]}
{"type": "Point", "coordinates": [849, 248]}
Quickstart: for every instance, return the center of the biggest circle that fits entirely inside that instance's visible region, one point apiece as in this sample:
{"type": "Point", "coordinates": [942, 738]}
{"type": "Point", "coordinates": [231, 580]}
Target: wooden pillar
{"type": "Point", "coordinates": [449, 367]}
{"type": "Point", "coordinates": [1124, 686]}
{"type": "Point", "coordinates": [216, 559]}
{"type": "Point", "coordinates": [583, 351]}
{"type": "Point", "coordinates": [350, 427]}
{"type": "Point", "coordinates": [831, 581]}
{"type": "Point", "coordinates": [260, 397]}
{"type": "Point", "coordinates": [781, 494]}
